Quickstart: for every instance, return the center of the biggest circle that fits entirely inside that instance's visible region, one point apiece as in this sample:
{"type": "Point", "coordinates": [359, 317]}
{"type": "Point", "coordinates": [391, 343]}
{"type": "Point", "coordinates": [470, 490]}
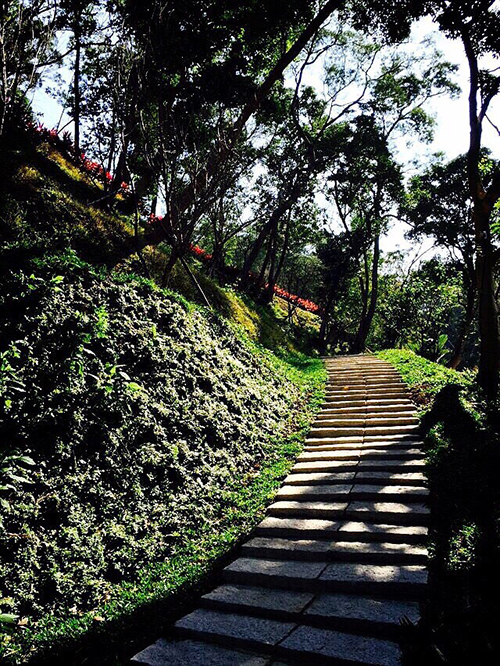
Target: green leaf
{"type": "Point", "coordinates": [8, 618]}
{"type": "Point", "coordinates": [26, 460]}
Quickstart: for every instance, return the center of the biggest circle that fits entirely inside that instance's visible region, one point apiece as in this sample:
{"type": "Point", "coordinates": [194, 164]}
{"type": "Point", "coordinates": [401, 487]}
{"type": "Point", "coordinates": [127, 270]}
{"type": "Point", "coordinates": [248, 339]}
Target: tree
{"type": "Point", "coordinates": [366, 182]}
{"type": "Point", "coordinates": [438, 205]}
{"type": "Point", "coordinates": [418, 306]}
{"type": "Point", "coordinates": [339, 255]}
{"type": "Point", "coordinates": [218, 44]}
{"type": "Point", "coordinates": [77, 16]}
{"type": "Point", "coordinates": [477, 24]}
{"type": "Point", "coordinates": [27, 33]}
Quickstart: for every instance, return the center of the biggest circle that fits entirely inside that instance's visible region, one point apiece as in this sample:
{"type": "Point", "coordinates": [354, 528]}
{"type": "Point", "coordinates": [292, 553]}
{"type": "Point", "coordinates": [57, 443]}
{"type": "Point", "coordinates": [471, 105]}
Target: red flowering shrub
{"type": "Point", "coordinates": [303, 303]}
{"type": "Point", "coordinates": [65, 144]}
{"type": "Point", "coordinates": [95, 170]}
{"type": "Point", "coordinates": [200, 253]}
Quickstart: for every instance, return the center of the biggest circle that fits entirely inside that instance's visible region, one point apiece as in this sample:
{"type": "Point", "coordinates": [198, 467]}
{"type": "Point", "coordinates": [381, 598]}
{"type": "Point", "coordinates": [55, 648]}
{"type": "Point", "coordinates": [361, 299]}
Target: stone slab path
{"type": "Point", "coordinates": [340, 558]}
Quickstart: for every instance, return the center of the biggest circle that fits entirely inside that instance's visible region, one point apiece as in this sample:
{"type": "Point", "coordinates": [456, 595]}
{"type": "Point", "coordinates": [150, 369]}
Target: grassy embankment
{"type": "Point", "coordinates": [463, 455]}
{"type": "Point", "coordinates": [159, 429]}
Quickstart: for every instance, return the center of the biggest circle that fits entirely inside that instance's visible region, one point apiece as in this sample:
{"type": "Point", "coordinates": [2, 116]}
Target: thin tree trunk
{"type": "Point", "coordinates": [324, 322]}
{"type": "Point", "coordinates": [366, 321]}
{"type": "Point", "coordinates": [169, 267]}
{"type": "Point", "coordinates": [268, 229]}
{"type": "Point", "coordinates": [470, 309]}
{"type": "Point", "coordinates": [77, 101]}
{"type": "Point", "coordinates": [121, 173]}
{"type": "Point", "coordinates": [267, 258]}
{"type": "Point", "coordinates": [275, 274]}
{"type": "Point", "coordinates": [488, 315]}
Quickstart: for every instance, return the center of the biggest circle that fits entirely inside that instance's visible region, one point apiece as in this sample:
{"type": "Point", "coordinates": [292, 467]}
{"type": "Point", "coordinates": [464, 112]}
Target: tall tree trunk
{"type": "Point", "coordinates": [470, 308]}
{"type": "Point", "coordinates": [322, 336]}
{"type": "Point", "coordinates": [77, 100]}
{"type": "Point", "coordinates": [169, 267]}
{"type": "Point", "coordinates": [269, 228]}
{"type": "Point", "coordinates": [489, 361]}
{"type": "Point", "coordinates": [366, 321]}
{"type": "Point", "coordinates": [275, 274]}
{"type": "Point", "coordinates": [267, 258]}
{"type": "Point", "coordinates": [129, 124]}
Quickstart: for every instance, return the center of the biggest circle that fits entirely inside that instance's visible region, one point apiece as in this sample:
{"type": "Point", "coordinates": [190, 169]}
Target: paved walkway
{"type": "Point", "coordinates": [340, 557]}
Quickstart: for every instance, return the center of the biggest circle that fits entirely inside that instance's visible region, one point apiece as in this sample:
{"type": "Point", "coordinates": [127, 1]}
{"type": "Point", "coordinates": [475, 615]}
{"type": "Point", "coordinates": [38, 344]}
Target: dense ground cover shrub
{"type": "Point", "coordinates": [462, 443]}
{"type": "Point", "coordinates": [151, 425]}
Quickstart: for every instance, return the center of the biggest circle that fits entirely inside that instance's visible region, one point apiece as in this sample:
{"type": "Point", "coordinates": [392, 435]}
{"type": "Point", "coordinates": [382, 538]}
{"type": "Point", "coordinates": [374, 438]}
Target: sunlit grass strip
{"type": "Point", "coordinates": [424, 377]}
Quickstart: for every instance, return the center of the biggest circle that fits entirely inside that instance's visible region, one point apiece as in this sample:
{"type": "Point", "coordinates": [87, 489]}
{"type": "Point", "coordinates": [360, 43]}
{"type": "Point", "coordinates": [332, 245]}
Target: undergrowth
{"type": "Point", "coordinates": [159, 431]}
{"type": "Point", "coordinates": [462, 445]}
{"type": "Point", "coordinates": [143, 433]}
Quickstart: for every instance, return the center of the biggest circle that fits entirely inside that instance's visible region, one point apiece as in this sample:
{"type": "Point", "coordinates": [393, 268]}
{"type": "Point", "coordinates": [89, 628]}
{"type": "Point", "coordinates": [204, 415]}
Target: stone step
{"type": "Point", "coordinates": [234, 630]}
{"type": "Point", "coordinates": [350, 400]}
{"type": "Point", "coordinates": [351, 492]}
{"type": "Point", "coordinates": [326, 444]}
{"type": "Point", "coordinates": [364, 380]}
{"type": "Point", "coordinates": [300, 643]}
{"type": "Point", "coordinates": [344, 530]}
{"type": "Point", "coordinates": [363, 412]}
{"type": "Point", "coordinates": [321, 550]}
{"type": "Point", "coordinates": [368, 430]}
{"type": "Point", "coordinates": [334, 611]}
{"type": "Point", "coordinates": [397, 513]}
{"type": "Point", "coordinates": [337, 403]}
{"type": "Point", "coordinates": [361, 385]}
{"type": "Point", "coordinates": [389, 478]}
{"type": "Point", "coordinates": [366, 421]}
{"type": "Point", "coordinates": [316, 577]}
{"type": "Point", "coordinates": [367, 435]}
{"type": "Point", "coordinates": [366, 438]}
{"type": "Point", "coordinates": [356, 385]}
{"type": "Point", "coordinates": [373, 371]}
{"type": "Point", "coordinates": [195, 653]}
{"type": "Point", "coordinates": [325, 647]}
{"type": "Point", "coordinates": [333, 478]}
{"type": "Point", "coordinates": [370, 379]}
{"type": "Point", "coordinates": [366, 454]}
{"type": "Point", "coordinates": [415, 436]}
{"type": "Point", "coordinates": [358, 464]}
{"type": "Point", "coordinates": [374, 388]}
{"type": "Point", "coordinates": [346, 395]}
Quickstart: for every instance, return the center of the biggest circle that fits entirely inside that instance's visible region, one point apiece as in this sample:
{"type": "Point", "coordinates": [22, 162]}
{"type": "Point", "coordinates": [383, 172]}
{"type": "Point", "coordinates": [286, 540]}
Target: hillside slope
{"type": "Point", "coordinates": [157, 429]}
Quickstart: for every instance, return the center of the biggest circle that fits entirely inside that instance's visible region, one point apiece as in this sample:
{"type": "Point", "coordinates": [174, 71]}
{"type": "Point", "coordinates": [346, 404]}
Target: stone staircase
{"type": "Point", "coordinates": [340, 558]}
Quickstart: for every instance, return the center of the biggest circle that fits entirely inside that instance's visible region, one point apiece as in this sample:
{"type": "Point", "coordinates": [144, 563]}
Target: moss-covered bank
{"type": "Point", "coordinates": [159, 432]}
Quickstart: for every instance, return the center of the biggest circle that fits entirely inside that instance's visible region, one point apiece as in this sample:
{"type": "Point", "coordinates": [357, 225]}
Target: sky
{"type": "Point", "coordinates": [451, 131]}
